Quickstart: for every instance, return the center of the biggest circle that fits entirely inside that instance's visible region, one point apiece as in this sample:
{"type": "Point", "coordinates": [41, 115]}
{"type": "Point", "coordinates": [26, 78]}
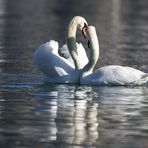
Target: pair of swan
{"type": "Point", "coordinates": [76, 68]}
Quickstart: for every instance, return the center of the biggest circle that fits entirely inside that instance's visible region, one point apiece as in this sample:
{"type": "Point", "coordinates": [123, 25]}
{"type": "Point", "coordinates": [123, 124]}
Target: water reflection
{"type": "Point", "coordinates": [49, 115]}
{"type": "Point", "coordinates": [73, 116]}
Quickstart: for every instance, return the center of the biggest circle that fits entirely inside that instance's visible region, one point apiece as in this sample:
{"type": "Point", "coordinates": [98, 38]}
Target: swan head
{"type": "Point", "coordinates": [80, 23]}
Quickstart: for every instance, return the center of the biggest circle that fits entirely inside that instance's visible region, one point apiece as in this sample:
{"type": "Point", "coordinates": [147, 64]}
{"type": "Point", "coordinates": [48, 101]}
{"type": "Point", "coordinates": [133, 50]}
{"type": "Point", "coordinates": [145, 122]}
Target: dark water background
{"type": "Point", "coordinates": [35, 114]}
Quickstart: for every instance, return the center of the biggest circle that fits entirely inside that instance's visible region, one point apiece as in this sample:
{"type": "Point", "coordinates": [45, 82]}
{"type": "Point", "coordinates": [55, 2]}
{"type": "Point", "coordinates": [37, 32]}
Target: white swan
{"type": "Point", "coordinates": [56, 68]}
{"type": "Point", "coordinates": [108, 75]}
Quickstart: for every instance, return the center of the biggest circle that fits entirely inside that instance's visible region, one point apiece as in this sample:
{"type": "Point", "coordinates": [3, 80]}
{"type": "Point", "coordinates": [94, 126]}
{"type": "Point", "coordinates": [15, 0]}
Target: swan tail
{"type": "Point", "coordinates": [142, 81]}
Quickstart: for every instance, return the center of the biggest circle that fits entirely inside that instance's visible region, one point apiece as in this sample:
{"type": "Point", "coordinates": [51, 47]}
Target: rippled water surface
{"type": "Point", "coordinates": [37, 114]}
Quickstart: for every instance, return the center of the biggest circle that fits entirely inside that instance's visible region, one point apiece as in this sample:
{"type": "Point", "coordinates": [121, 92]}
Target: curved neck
{"type": "Point", "coordinates": [71, 42]}
{"type": "Point", "coordinates": [94, 52]}
{"type": "Point", "coordinates": [72, 28]}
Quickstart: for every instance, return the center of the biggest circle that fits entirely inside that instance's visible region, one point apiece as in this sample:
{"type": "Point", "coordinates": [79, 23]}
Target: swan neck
{"type": "Point", "coordinates": [72, 28]}
{"type": "Point", "coordinates": [71, 42]}
{"type": "Point", "coordinates": [94, 51]}
{"type": "Point", "coordinates": [91, 64]}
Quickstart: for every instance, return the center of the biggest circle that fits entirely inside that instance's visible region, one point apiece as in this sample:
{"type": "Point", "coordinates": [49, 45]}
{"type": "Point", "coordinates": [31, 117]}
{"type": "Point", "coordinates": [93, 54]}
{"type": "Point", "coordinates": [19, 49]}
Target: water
{"type": "Point", "coordinates": [36, 114]}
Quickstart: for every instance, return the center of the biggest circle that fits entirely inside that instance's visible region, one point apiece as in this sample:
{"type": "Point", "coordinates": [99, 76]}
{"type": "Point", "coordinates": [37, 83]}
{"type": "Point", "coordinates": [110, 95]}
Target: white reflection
{"type": "Point", "coordinates": [85, 120]}
{"type": "Point", "coordinates": [74, 121]}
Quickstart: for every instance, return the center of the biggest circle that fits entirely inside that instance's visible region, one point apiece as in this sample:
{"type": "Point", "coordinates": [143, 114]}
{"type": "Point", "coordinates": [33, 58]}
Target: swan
{"type": "Point", "coordinates": [108, 75]}
{"type": "Point", "coordinates": [60, 69]}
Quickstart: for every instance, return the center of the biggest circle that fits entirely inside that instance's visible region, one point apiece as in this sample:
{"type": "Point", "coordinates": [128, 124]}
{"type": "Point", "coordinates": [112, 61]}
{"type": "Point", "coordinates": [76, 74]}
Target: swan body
{"type": "Point", "coordinates": [115, 75]}
{"type": "Point", "coordinates": [108, 75]}
{"type": "Point", "coordinates": [61, 69]}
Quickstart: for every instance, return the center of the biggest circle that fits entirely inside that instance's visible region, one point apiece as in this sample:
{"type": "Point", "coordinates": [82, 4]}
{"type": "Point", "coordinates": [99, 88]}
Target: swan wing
{"type": "Point", "coordinates": [64, 52]}
{"type": "Point", "coordinates": [50, 62]}
{"type": "Point", "coordinates": [81, 53]}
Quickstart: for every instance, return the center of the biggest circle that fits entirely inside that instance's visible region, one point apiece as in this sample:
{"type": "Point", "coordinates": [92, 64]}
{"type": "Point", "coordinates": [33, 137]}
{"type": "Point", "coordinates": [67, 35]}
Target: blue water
{"type": "Point", "coordinates": [37, 114]}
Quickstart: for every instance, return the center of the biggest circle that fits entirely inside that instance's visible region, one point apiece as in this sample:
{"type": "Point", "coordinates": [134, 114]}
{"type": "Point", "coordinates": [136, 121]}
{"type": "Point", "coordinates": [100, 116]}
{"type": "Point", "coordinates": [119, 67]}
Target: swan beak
{"type": "Point", "coordinates": [84, 31]}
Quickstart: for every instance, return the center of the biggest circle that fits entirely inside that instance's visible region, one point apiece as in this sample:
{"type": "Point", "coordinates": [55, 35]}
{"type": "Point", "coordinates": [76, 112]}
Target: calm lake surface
{"type": "Point", "coordinates": [34, 114]}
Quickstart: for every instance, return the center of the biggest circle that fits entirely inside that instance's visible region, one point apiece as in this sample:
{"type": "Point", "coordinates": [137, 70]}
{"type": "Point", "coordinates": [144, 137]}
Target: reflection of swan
{"type": "Point", "coordinates": [56, 68]}
{"type": "Point", "coordinates": [108, 75]}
